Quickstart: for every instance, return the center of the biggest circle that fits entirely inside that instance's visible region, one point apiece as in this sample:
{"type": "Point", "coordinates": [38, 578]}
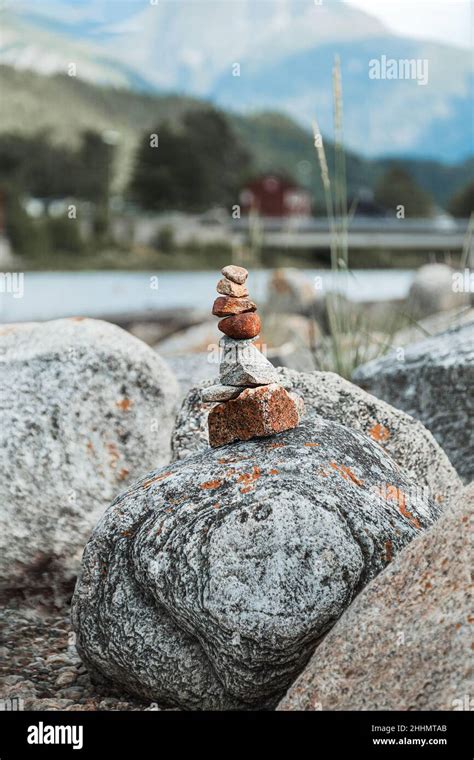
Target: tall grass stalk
{"type": "Point", "coordinates": [350, 340]}
{"type": "Point", "coordinates": [467, 258]}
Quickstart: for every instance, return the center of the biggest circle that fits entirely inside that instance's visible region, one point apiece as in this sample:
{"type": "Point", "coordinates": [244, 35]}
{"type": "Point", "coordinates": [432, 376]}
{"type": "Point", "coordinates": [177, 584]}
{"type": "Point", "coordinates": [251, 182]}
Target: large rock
{"type": "Point", "coordinates": [85, 408]}
{"type": "Point", "coordinates": [435, 324]}
{"type": "Point", "coordinates": [433, 290]}
{"type": "Point", "coordinates": [405, 643]}
{"type": "Point", "coordinates": [195, 339]}
{"type": "Point", "coordinates": [288, 340]}
{"type": "Point", "coordinates": [403, 438]}
{"type": "Point", "coordinates": [290, 292]}
{"type": "Point", "coordinates": [433, 381]}
{"type": "Point", "coordinates": [209, 583]}
{"type": "Point", "coordinates": [190, 369]}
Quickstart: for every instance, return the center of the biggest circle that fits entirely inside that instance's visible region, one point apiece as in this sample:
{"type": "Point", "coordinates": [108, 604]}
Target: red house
{"type": "Point", "coordinates": [275, 196]}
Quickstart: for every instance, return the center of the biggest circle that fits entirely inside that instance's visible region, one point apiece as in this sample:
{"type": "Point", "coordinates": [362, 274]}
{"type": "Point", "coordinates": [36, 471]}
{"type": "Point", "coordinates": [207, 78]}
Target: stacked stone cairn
{"type": "Point", "coordinates": [250, 401]}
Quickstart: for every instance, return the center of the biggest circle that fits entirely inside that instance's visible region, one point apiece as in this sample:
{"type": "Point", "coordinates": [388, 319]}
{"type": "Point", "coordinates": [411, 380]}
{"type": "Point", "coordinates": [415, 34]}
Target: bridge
{"type": "Point", "coordinates": [439, 234]}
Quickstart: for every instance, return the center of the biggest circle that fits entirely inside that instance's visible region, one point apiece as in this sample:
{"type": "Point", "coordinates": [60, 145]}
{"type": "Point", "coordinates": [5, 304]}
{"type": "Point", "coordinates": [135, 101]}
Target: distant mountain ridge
{"type": "Point", "coordinates": [63, 107]}
{"type": "Point", "coordinates": [285, 50]}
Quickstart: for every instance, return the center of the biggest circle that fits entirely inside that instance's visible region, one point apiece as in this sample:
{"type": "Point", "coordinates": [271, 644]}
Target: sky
{"type": "Point", "coordinates": [449, 21]}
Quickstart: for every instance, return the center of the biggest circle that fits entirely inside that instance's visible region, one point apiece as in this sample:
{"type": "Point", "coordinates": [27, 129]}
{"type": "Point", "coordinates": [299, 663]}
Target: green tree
{"type": "Point", "coordinates": [398, 188]}
{"type": "Point", "coordinates": [39, 168]}
{"type": "Point", "coordinates": [27, 236]}
{"type": "Point", "coordinates": [222, 161]}
{"type": "Point", "coordinates": [64, 235]}
{"type": "Point", "coordinates": [96, 158]}
{"type": "Point", "coordinates": [164, 170]}
{"type": "Point", "coordinates": [462, 203]}
{"type": "Point", "coordinates": [190, 167]}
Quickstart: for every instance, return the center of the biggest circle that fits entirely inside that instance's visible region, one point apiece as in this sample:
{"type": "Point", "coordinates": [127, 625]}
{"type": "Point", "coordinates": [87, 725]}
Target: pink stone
{"type": "Point", "coordinates": [257, 412]}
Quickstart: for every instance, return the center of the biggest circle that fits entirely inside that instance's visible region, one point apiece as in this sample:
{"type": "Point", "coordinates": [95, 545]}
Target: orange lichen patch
{"type": "Point", "coordinates": [409, 516]}
{"type": "Point", "coordinates": [114, 455]}
{"type": "Point", "coordinates": [211, 484]}
{"type": "Point", "coordinates": [457, 626]}
{"type": "Point", "coordinates": [246, 489]}
{"type": "Point", "coordinates": [123, 473]}
{"type": "Point", "coordinates": [346, 473]}
{"type": "Point", "coordinates": [150, 482]}
{"type": "Point", "coordinates": [162, 477]}
{"type": "Point", "coordinates": [127, 533]}
{"type": "Point", "coordinates": [249, 477]}
{"type": "Point", "coordinates": [379, 433]}
{"type": "Point", "coordinates": [312, 444]}
{"type": "Point", "coordinates": [470, 618]}
{"type": "Point", "coordinates": [388, 551]}
{"type": "Point", "coordinates": [273, 472]}
{"type": "Point", "coordinates": [124, 404]}
{"type": "Point", "coordinates": [392, 493]}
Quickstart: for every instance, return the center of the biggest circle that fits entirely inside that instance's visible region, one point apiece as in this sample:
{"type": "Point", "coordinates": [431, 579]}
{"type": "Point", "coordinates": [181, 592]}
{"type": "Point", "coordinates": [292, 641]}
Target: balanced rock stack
{"type": "Point", "coordinates": [254, 403]}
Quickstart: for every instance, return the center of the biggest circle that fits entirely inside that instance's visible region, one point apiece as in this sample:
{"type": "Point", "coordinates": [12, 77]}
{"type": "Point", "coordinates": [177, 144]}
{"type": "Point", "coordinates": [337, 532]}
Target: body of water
{"type": "Point", "coordinates": [50, 295]}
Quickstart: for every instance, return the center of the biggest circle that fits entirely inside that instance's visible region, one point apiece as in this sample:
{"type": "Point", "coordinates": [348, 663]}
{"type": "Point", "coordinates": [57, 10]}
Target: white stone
{"type": "Point", "coordinates": [220, 393]}
{"type": "Point", "coordinates": [84, 408]}
{"type": "Point", "coordinates": [242, 364]}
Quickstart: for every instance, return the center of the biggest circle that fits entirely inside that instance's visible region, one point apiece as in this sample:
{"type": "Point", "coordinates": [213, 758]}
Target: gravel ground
{"type": "Point", "coordinates": [39, 663]}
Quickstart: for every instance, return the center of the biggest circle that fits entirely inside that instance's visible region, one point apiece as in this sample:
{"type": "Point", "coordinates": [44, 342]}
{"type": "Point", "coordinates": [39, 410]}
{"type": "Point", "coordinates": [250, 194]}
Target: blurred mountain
{"type": "Point", "coordinates": [40, 43]}
{"type": "Point", "coordinates": [62, 107]}
{"type": "Point", "coordinates": [285, 50]}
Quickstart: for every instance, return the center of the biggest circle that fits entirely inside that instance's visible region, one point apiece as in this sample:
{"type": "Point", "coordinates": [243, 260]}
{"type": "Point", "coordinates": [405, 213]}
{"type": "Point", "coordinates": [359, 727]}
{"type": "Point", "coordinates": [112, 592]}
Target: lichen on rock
{"type": "Point", "coordinates": [403, 438]}
{"type": "Point", "coordinates": [84, 408]}
{"type": "Point", "coordinates": [405, 643]}
{"type": "Point", "coordinates": [209, 583]}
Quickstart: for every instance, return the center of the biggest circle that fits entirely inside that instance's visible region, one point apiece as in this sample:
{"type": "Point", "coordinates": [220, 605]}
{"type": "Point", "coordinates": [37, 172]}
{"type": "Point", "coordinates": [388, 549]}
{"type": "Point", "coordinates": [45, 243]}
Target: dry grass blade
{"type": "Point", "coordinates": [350, 340]}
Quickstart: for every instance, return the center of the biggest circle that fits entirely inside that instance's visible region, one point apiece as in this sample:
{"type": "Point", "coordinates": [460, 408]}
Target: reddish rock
{"type": "Point", "coordinates": [228, 288]}
{"type": "Point", "coordinates": [241, 327]}
{"type": "Point", "coordinates": [226, 305]}
{"type": "Point", "coordinates": [257, 412]}
{"type": "Point", "coordinates": [236, 274]}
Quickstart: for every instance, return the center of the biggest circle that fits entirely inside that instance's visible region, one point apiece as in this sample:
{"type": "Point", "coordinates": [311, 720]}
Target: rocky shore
{"type": "Point", "coordinates": [42, 669]}
{"type": "Point", "coordinates": [242, 536]}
